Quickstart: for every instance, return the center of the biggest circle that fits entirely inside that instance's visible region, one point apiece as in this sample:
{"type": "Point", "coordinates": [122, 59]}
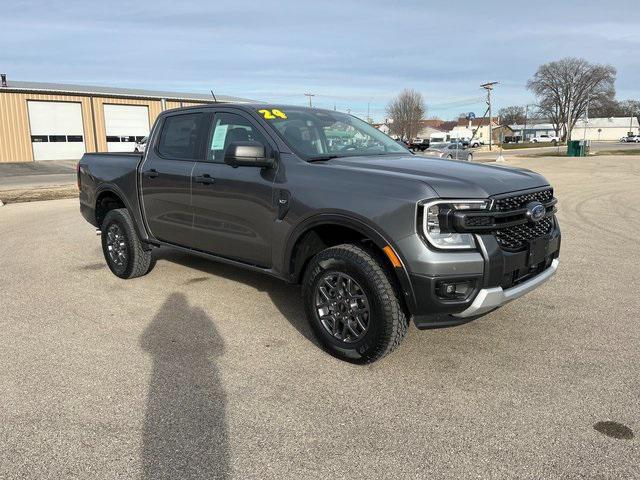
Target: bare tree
{"type": "Point", "coordinates": [512, 115]}
{"type": "Point", "coordinates": [565, 87]}
{"type": "Point", "coordinates": [406, 110]}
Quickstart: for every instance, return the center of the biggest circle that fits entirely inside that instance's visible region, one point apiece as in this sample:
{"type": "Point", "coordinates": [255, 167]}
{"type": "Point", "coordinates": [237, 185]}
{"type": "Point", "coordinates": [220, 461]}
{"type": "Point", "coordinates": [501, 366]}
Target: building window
{"type": "Point", "coordinates": [111, 139]}
{"type": "Point", "coordinates": [74, 138]}
{"type": "Point", "coordinates": [39, 138]}
{"type": "Point", "coordinates": [57, 138]}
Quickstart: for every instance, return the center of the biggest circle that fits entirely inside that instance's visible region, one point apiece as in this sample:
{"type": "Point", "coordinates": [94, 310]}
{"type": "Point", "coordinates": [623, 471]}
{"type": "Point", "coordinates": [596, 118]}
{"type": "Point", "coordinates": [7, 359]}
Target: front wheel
{"type": "Point", "coordinates": [352, 305]}
{"type": "Point", "coordinates": [123, 251]}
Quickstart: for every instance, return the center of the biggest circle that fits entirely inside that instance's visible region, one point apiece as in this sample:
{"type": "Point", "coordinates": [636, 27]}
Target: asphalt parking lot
{"type": "Point", "coordinates": [199, 370]}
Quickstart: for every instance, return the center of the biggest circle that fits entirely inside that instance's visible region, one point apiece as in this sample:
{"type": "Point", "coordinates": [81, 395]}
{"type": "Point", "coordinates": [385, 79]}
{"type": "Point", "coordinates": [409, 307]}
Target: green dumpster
{"type": "Point", "coordinates": [578, 148]}
{"type": "Point", "coordinates": [574, 148]}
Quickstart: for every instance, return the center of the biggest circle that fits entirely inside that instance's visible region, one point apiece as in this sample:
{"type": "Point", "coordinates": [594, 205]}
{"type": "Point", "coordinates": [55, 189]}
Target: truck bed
{"type": "Point", "coordinates": [117, 171]}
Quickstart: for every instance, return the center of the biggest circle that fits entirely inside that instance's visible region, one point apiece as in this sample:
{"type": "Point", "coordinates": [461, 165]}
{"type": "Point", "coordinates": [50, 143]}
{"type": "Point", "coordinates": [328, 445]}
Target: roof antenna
{"type": "Point", "coordinates": [214, 96]}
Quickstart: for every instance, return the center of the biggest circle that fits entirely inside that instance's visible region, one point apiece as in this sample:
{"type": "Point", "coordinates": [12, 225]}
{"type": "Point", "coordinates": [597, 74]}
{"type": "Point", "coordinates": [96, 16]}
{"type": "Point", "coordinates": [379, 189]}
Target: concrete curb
{"type": "Point", "coordinates": [37, 194]}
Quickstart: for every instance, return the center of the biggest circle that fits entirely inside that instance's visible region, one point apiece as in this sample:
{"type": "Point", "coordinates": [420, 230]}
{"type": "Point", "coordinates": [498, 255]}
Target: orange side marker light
{"type": "Point", "coordinates": [395, 261]}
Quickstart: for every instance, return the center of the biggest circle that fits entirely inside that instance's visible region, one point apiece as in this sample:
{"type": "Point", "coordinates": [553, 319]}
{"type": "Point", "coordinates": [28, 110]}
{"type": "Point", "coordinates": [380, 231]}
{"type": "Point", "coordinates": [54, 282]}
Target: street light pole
{"type": "Point", "coordinates": [524, 129]}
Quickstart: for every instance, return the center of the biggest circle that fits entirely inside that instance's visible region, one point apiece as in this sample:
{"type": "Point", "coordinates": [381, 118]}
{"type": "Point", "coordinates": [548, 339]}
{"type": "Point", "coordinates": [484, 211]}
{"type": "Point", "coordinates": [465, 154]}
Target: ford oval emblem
{"type": "Point", "coordinates": [536, 212]}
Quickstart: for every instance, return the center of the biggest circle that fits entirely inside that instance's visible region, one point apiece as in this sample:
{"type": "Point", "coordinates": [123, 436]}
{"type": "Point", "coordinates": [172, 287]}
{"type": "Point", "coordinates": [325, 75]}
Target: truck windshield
{"type": "Point", "coordinates": [321, 134]}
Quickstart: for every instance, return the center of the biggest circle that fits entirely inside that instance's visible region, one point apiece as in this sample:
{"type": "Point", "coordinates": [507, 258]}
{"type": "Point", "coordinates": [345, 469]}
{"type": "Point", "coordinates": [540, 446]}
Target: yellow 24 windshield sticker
{"type": "Point", "coordinates": [272, 114]}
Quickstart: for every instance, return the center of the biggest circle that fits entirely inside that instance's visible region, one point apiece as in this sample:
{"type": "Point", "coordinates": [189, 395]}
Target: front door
{"type": "Point", "coordinates": [166, 177]}
{"type": "Point", "coordinates": [233, 207]}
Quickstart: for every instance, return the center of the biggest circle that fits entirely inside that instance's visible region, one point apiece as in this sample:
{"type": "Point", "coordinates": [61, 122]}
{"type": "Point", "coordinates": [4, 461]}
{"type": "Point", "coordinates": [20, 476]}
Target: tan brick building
{"type": "Point", "coordinates": [47, 121]}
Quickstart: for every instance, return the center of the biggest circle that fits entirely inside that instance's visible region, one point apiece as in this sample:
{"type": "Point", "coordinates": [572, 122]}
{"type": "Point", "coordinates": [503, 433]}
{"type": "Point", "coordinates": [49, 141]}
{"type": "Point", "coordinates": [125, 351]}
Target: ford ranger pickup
{"type": "Point", "coordinates": [377, 237]}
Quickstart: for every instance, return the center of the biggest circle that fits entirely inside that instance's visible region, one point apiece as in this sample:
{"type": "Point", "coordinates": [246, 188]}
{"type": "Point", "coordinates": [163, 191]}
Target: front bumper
{"type": "Point", "coordinates": [503, 276]}
{"type": "Point", "coordinates": [491, 298]}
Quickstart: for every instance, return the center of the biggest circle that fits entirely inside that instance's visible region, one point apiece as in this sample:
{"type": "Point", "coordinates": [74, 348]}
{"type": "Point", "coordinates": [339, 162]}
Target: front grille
{"type": "Point", "coordinates": [517, 237]}
{"type": "Point", "coordinates": [478, 221]}
{"type": "Point", "coordinates": [520, 201]}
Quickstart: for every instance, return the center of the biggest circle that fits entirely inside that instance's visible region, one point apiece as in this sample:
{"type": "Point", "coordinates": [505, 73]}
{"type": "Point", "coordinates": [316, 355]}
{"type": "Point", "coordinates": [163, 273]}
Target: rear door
{"type": "Point", "coordinates": [233, 207]}
{"type": "Point", "coordinates": [166, 176]}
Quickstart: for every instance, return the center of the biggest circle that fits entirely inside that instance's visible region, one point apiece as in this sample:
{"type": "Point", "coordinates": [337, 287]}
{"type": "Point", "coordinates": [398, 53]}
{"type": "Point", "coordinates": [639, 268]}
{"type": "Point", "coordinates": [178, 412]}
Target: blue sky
{"type": "Point", "coordinates": [349, 53]}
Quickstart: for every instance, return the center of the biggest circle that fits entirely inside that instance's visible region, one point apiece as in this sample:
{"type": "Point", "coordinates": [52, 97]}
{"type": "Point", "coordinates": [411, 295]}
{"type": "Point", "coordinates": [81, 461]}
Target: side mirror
{"type": "Point", "coordinates": [247, 154]}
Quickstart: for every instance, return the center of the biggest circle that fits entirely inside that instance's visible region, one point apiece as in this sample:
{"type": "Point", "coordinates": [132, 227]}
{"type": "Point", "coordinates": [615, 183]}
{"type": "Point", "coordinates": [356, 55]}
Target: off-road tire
{"type": "Point", "coordinates": [138, 259]}
{"type": "Point", "coordinates": [387, 320]}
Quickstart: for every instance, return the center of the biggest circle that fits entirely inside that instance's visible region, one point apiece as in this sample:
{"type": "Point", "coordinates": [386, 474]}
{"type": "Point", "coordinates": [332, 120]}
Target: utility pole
{"type": "Point", "coordinates": [310, 95]}
{"type": "Point", "coordinates": [489, 87]}
{"type": "Point", "coordinates": [524, 129]}
{"type": "Point", "coordinates": [586, 121]}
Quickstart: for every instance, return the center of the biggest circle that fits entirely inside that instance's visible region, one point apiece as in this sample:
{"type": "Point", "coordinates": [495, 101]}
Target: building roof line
{"type": "Point", "coordinates": [82, 90]}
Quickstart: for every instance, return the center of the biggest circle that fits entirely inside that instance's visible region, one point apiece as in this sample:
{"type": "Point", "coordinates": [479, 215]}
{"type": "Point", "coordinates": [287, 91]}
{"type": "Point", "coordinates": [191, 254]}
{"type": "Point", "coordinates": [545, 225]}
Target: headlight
{"type": "Point", "coordinates": [432, 223]}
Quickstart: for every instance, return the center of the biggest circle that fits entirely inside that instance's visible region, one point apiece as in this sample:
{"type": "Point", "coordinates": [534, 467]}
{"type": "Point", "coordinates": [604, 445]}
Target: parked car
{"type": "Point", "coordinates": [419, 144]}
{"type": "Point", "coordinates": [631, 139]}
{"type": "Point", "coordinates": [140, 145]}
{"type": "Point", "coordinates": [512, 139]}
{"type": "Point", "coordinates": [450, 151]}
{"type": "Point", "coordinates": [475, 143]}
{"type": "Point", "coordinates": [402, 143]}
{"type": "Point", "coordinates": [461, 141]}
{"type": "Point", "coordinates": [546, 139]}
{"type": "Point", "coordinates": [376, 236]}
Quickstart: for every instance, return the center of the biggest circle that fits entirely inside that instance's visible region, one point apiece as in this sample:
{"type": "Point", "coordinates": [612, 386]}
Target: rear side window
{"type": "Point", "coordinates": [180, 136]}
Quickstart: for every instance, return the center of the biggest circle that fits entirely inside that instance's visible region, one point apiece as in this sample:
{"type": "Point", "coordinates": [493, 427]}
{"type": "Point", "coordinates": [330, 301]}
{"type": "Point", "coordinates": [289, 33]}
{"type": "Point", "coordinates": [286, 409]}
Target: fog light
{"type": "Point", "coordinates": [454, 289]}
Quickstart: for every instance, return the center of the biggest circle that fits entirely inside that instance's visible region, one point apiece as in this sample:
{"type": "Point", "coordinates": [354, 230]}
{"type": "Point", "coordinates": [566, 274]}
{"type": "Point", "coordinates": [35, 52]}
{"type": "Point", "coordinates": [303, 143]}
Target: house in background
{"type": "Point", "coordinates": [465, 128]}
{"type": "Point", "coordinates": [432, 126]}
{"type": "Point", "coordinates": [535, 129]}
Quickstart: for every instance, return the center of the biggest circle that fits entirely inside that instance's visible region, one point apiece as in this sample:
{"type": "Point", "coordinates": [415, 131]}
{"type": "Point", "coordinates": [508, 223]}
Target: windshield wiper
{"type": "Point", "coordinates": [322, 158]}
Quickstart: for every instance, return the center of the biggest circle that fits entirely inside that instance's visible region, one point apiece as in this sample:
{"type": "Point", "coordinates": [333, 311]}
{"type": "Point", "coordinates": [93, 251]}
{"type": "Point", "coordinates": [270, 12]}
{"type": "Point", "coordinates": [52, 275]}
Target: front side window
{"type": "Point", "coordinates": [229, 128]}
{"type": "Point", "coordinates": [314, 134]}
{"type": "Point", "coordinates": [179, 137]}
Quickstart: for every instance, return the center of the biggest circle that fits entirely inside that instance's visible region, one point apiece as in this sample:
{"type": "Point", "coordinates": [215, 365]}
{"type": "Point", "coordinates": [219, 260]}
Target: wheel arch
{"type": "Point", "coordinates": [328, 229]}
{"type": "Point", "coordinates": [109, 197]}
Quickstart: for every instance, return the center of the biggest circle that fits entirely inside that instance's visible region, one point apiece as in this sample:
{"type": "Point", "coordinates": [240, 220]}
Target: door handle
{"type": "Point", "coordinates": [205, 179]}
{"type": "Point", "coordinates": [153, 173]}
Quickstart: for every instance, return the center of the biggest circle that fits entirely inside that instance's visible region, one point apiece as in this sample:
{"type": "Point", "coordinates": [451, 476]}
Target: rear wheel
{"type": "Point", "coordinates": [352, 305]}
{"type": "Point", "coordinates": [123, 251]}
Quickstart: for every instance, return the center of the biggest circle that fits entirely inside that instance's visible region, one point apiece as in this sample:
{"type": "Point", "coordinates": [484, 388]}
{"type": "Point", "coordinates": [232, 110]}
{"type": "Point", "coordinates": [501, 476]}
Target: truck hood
{"type": "Point", "coordinates": [448, 178]}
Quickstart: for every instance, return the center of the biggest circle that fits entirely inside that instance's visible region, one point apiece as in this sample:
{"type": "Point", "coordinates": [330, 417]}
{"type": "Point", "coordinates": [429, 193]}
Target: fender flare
{"type": "Point", "coordinates": [113, 188]}
{"type": "Point", "coordinates": [360, 225]}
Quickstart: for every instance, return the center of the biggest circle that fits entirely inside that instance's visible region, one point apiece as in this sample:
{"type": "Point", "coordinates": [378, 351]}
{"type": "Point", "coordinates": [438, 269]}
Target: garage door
{"type": "Point", "coordinates": [56, 130]}
{"type": "Point", "coordinates": [124, 125]}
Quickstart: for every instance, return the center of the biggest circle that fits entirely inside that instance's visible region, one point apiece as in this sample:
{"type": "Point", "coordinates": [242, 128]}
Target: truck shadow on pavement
{"type": "Point", "coordinates": [185, 432]}
{"type": "Point", "coordinates": [285, 297]}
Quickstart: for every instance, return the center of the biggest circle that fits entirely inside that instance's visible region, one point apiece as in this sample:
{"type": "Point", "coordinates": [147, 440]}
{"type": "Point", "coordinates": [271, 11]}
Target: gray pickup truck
{"type": "Point", "coordinates": [376, 236]}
